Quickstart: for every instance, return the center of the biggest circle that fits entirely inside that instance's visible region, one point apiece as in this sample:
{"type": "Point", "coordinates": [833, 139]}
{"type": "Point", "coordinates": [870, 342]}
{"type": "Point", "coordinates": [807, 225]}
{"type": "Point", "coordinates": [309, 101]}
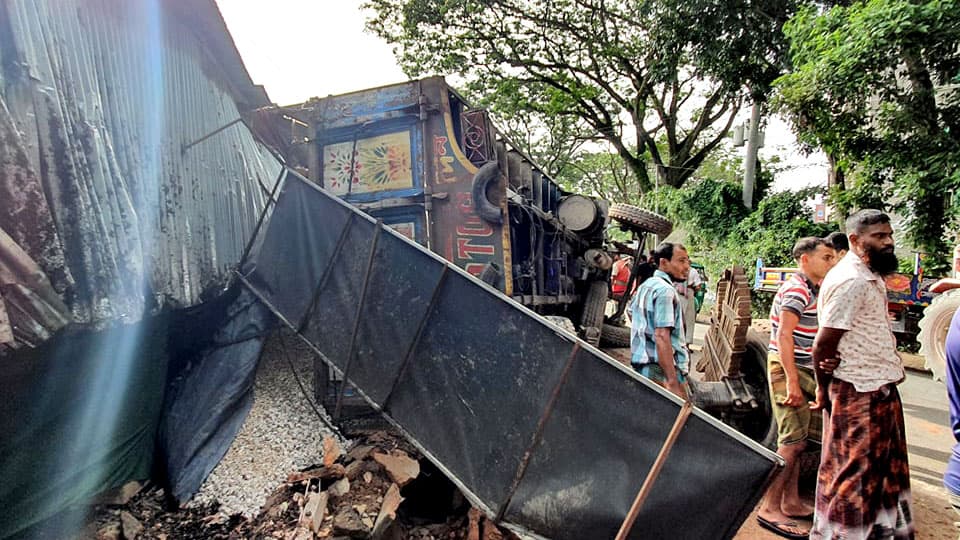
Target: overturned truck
{"type": "Point", "coordinates": [418, 157]}
{"type": "Point", "coordinates": [373, 312]}
{"type": "Point", "coordinates": [150, 239]}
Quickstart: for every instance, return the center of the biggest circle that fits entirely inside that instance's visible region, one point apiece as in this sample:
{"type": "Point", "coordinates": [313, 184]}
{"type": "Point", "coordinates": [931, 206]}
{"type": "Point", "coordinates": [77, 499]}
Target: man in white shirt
{"type": "Point", "coordinates": [863, 485]}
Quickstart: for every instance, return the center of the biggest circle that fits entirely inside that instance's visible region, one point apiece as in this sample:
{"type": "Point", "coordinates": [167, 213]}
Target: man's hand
{"type": "Point", "coordinates": [677, 388]}
{"type": "Point", "coordinates": [794, 394]}
{"type": "Point", "coordinates": [827, 365]}
{"type": "Point", "coordinates": [825, 355]}
{"type": "Point", "coordinates": [822, 402]}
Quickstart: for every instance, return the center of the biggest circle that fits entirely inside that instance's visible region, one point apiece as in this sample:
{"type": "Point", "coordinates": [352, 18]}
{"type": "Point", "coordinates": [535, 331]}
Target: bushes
{"type": "Point", "coordinates": [721, 232]}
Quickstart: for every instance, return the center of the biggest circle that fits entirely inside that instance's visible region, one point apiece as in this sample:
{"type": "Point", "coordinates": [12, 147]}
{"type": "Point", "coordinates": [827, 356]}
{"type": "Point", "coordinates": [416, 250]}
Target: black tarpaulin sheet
{"type": "Point", "coordinates": [209, 399]}
{"type": "Point", "coordinates": [535, 426]}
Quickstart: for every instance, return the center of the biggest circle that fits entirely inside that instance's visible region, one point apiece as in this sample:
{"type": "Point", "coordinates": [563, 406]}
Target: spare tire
{"type": "Point", "coordinates": [640, 220]}
{"type": "Point", "coordinates": [933, 332]}
{"type": "Point", "coordinates": [594, 303]}
{"type": "Point", "coordinates": [489, 172]}
{"type": "Point", "coordinates": [615, 336]}
{"type": "Point", "coordinates": [760, 425]}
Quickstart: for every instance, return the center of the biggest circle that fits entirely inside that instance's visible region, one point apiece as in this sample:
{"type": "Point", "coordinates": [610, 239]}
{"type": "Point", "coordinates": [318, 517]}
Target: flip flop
{"type": "Point", "coordinates": [776, 528]}
{"type": "Point", "coordinates": [806, 517]}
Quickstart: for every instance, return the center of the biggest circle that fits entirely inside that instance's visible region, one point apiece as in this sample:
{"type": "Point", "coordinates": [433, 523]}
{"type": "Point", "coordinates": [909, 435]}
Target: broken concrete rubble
{"type": "Point", "coordinates": [354, 469]}
{"type": "Point", "coordinates": [339, 488]}
{"type": "Point", "coordinates": [331, 451]}
{"type": "Point", "coordinates": [348, 522]}
{"type": "Point", "coordinates": [111, 531]}
{"type": "Point", "coordinates": [314, 503]}
{"type": "Point", "coordinates": [131, 525]}
{"type": "Point", "coordinates": [388, 512]}
{"type": "Point", "coordinates": [314, 511]}
{"type": "Point", "coordinates": [399, 466]}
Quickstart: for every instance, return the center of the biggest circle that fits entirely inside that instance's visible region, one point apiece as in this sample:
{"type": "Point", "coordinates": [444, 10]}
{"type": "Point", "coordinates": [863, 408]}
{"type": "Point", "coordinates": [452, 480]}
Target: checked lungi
{"type": "Point", "coordinates": [863, 486]}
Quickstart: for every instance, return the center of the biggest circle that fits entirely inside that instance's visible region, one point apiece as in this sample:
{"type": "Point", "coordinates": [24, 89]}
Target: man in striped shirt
{"type": "Point", "coordinates": [793, 383]}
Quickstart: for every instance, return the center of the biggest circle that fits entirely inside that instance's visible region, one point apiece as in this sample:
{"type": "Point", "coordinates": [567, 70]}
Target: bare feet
{"type": "Point", "coordinates": [797, 511]}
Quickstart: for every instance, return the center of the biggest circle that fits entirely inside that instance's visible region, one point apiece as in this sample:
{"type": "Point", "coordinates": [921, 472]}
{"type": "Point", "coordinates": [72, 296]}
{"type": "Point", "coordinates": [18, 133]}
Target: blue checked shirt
{"type": "Point", "coordinates": [657, 305]}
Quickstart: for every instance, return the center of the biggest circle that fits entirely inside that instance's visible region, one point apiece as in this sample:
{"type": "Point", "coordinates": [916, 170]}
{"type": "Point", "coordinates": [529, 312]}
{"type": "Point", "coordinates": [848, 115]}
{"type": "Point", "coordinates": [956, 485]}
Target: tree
{"type": "Point", "coordinates": [553, 142]}
{"type": "Point", "coordinates": [602, 174]}
{"type": "Point", "coordinates": [633, 71]}
{"type": "Point", "coordinates": [721, 232]}
{"type": "Point", "coordinates": [875, 84]}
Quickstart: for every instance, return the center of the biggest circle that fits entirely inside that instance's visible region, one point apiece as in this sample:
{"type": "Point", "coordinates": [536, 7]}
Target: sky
{"type": "Point", "coordinates": [300, 49]}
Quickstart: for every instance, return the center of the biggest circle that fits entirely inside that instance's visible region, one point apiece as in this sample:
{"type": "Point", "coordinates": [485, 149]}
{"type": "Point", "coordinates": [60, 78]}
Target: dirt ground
{"type": "Point", "coordinates": [932, 514]}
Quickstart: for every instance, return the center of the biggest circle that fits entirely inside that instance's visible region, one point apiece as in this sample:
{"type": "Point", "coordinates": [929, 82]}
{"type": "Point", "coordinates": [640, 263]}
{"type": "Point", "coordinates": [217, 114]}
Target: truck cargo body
{"type": "Point", "coordinates": [411, 154]}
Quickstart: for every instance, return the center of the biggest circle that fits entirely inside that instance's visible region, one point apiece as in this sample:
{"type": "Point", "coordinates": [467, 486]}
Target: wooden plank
{"type": "Point", "coordinates": [730, 319]}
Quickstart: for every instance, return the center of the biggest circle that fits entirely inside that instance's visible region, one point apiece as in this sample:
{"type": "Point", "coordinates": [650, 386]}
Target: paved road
{"type": "Point", "coordinates": [929, 439]}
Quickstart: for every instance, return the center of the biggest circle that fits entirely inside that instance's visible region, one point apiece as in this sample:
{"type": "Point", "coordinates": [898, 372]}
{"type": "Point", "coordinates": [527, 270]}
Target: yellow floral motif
{"type": "Point", "coordinates": [380, 163]}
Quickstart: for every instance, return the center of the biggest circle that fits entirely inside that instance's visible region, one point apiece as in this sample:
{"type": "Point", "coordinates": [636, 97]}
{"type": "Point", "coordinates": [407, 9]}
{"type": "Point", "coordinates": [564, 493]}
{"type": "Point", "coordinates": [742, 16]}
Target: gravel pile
{"type": "Point", "coordinates": [281, 434]}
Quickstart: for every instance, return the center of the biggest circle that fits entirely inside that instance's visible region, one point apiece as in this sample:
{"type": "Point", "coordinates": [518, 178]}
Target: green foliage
{"type": "Point", "coordinates": [905, 265]}
{"type": "Point", "coordinates": [721, 232]}
{"type": "Point", "coordinates": [658, 80]}
{"type": "Point", "coordinates": [708, 210]}
{"type": "Point", "coordinates": [771, 230]}
{"type": "Point", "coordinates": [875, 84]}
{"type": "Point", "coordinates": [769, 233]}
{"type": "Point", "coordinates": [555, 143]}
{"type": "Point", "coordinates": [600, 174]}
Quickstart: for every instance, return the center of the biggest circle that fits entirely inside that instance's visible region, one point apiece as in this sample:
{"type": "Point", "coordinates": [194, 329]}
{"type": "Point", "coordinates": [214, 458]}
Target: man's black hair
{"type": "Point", "coordinates": [837, 240]}
{"type": "Point", "coordinates": [665, 251]}
{"type": "Point", "coordinates": [859, 222]}
{"type": "Point", "coordinates": [807, 245]}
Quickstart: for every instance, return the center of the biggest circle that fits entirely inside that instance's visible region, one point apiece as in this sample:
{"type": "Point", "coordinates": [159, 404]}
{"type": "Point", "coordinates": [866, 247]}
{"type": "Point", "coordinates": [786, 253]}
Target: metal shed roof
{"type": "Point", "coordinates": [118, 194]}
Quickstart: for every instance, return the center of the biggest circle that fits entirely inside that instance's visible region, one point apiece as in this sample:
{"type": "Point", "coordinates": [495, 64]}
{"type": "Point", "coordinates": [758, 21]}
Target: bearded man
{"type": "Point", "coordinates": [863, 486]}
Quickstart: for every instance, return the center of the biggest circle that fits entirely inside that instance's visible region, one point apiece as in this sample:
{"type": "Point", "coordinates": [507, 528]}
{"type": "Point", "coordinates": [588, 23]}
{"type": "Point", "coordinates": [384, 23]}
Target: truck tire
{"type": "Point", "coordinates": [640, 220]}
{"type": "Point", "coordinates": [594, 304]}
{"type": "Point", "coordinates": [614, 336]}
{"type": "Point", "coordinates": [759, 425]}
{"type": "Point", "coordinates": [933, 332]}
{"type": "Point", "coordinates": [489, 172]}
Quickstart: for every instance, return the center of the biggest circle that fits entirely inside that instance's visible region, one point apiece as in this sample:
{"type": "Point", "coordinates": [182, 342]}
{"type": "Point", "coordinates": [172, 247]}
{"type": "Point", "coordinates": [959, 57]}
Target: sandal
{"type": "Point", "coordinates": [777, 527]}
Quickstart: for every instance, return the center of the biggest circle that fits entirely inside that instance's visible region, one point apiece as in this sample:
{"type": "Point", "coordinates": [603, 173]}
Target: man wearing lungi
{"type": "Point", "coordinates": [863, 486]}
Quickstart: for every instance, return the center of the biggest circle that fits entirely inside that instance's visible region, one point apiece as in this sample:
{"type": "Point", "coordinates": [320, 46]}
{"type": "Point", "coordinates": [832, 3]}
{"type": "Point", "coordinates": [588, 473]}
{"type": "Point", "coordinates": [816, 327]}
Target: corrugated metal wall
{"type": "Point", "coordinates": [100, 205]}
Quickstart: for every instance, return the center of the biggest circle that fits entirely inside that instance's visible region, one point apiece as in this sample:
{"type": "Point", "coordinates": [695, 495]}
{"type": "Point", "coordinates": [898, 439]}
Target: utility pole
{"type": "Point", "coordinates": [753, 144]}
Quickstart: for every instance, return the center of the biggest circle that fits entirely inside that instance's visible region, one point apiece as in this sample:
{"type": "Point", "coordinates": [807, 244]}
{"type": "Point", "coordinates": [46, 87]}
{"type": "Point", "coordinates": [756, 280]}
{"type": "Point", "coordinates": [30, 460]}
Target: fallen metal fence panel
{"type": "Point", "coordinates": [540, 430]}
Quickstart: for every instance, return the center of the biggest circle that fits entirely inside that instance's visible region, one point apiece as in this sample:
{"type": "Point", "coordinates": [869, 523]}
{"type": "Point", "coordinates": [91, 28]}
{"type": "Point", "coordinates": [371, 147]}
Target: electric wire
{"type": "Point", "coordinates": [303, 390]}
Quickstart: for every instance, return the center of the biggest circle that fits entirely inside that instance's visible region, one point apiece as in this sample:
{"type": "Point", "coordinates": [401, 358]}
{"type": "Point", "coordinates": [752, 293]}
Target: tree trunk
{"type": "Point", "coordinates": [639, 169]}
{"type": "Point", "coordinates": [931, 204]}
{"type": "Point", "coordinates": [835, 180]}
